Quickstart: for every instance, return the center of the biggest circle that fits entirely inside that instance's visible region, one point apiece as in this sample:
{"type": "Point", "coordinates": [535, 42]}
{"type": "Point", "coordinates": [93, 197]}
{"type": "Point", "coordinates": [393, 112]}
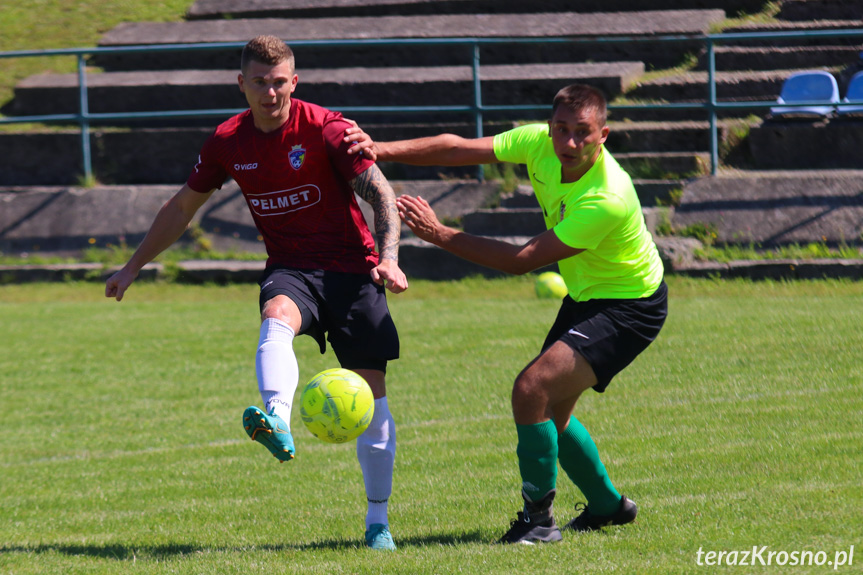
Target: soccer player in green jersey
{"type": "Point", "coordinates": [617, 300]}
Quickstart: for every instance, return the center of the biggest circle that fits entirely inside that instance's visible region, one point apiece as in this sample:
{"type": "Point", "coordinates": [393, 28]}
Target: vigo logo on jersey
{"type": "Point", "coordinates": [284, 201]}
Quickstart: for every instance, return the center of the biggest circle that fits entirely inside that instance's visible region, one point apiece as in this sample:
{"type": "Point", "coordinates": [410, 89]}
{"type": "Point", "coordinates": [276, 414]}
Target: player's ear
{"type": "Point", "coordinates": [294, 81]}
{"type": "Point", "coordinates": [604, 131]}
{"type": "Point", "coordinates": [240, 82]}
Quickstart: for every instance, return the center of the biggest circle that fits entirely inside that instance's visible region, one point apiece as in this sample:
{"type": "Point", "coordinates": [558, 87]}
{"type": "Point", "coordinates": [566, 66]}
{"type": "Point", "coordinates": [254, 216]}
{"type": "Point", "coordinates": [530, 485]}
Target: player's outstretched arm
{"type": "Point", "coordinates": [374, 188]}
{"type": "Point", "coordinates": [170, 223]}
{"type": "Point", "coordinates": [440, 150]}
{"type": "Point", "coordinates": [542, 250]}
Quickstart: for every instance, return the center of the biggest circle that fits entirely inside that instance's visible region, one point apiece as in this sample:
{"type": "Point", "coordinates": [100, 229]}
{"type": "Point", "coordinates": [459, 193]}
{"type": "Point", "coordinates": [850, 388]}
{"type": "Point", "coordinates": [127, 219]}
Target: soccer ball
{"type": "Point", "coordinates": [337, 405]}
{"type": "Point", "coordinates": [550, 285]}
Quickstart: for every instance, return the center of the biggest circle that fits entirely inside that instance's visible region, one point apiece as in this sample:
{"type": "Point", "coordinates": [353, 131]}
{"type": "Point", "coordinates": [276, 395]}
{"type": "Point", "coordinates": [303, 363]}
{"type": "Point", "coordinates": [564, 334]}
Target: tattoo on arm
{"type": "Point", "coordinates": [374, 188]}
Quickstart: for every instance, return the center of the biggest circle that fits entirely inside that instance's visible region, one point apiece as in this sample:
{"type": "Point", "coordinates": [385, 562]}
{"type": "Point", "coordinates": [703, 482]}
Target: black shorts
{"type": "Point", "coordinates": [609, 333]}
{"type": "Point", "coordinates": [349, 308]}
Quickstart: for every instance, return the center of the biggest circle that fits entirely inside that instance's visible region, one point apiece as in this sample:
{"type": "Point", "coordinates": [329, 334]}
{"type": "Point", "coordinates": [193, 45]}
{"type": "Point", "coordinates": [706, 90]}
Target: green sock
{"type": "Point", "coordinates": [580, 460]}
{"type": "Point", "coordinates": [537, 458]}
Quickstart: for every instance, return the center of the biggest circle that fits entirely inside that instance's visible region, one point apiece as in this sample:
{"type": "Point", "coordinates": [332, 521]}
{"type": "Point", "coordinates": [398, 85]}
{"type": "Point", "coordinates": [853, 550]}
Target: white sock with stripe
{"type": "Point", "coordinates": [276, 367]}
{"type": "Point", "coordinates": [376, 452]}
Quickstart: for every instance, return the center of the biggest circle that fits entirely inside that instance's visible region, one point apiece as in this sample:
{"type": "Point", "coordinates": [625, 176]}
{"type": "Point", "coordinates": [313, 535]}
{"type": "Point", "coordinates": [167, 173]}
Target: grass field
{"type": "Point", "coordinates": [121, 449]}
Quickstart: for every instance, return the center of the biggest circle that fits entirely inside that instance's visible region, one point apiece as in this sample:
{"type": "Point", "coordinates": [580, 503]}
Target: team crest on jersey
{"type": "Point", "coordinates": [297, 157]}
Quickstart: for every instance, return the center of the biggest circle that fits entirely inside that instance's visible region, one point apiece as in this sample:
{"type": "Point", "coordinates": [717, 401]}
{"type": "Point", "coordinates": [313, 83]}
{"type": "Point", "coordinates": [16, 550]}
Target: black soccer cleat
{"type": "Point", "coordinates": [535, 524]}
{"type": "Point", "coordinates": [587, 521]}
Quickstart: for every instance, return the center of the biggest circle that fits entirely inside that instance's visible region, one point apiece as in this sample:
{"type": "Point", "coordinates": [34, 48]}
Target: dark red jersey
{"type": "Point", "coordinates": [295, 181]}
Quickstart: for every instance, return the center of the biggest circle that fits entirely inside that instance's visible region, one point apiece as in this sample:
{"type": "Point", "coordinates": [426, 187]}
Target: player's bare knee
{"type": "Point", "coordinates": [528, 397]}
{"type": "Point", "coordinates": [282, 308]}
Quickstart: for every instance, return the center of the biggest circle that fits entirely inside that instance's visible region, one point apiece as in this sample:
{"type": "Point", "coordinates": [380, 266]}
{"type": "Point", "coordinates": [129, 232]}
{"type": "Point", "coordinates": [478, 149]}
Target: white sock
{"type": "Point", "coordinates": [276, 367]}
{"type": "Point", "coordinates": [376, 451]}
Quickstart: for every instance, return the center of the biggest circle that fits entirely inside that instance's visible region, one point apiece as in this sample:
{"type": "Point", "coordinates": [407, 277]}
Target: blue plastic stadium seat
{"type": "Point", "coordinates": [811, 86]}
{"type": "Point", "coordinates": [854, 95]}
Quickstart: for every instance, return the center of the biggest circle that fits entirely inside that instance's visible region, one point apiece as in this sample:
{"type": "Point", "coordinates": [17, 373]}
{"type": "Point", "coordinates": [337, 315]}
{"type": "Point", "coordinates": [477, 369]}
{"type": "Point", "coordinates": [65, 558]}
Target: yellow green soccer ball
{"type": "Point", "coordinates": [337, 405]}
{"type": "Point", "coordinates": [550, 285]}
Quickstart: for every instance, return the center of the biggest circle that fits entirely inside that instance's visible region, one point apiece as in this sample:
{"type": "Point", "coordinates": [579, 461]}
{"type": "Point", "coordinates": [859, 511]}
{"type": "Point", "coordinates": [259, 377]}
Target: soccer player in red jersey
{"type": "Point", "coordinates": [323, 275]}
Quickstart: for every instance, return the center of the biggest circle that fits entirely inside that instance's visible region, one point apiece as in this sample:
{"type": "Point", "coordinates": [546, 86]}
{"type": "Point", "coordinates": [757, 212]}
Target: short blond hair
{"type": "Point", "coordinates": [266, 50]}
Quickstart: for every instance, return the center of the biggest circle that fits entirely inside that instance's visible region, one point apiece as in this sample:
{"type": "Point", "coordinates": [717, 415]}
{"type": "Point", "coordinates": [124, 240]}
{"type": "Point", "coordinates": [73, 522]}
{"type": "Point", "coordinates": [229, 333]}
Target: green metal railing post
{"type": "Point", "coordinates": [711, 105]}
{"type": "Point", "coordinates": [477, 104]}
{"type": "Point", "coordinates": [84, 120]}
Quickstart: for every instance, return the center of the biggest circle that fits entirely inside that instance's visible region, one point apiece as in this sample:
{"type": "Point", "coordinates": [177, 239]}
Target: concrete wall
{"type": "Point", "coordinates": [776, 208]}
{"type": "Point", "coordinates": [68, 219]}
{"type": "Point", "coordinates": [809, 145]}
{"type": "Point", "coordinates": [118, 157]}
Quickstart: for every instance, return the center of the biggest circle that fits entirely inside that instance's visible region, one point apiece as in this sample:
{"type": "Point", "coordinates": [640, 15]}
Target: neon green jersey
{"type": "Point", "coordinates": [600, 213]}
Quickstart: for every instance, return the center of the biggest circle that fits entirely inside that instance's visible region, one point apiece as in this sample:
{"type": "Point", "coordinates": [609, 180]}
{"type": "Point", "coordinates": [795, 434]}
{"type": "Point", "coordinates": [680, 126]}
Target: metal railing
{"type": "Point", "coordinates": [710, 105]}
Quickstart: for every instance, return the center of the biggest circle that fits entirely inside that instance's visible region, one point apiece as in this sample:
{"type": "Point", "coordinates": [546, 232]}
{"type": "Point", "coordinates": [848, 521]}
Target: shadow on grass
{"type": "Point", "coordinates": [128, 552]}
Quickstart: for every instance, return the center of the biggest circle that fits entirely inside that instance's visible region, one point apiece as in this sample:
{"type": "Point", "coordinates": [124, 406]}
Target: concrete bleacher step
{"type": "Point", "coordinates": [61, 218]}
{"type": "Point", "coordinates": [143, 156]}
{"type": "Point", "coordinates": [690, 137]}
{"type": "Point", "coordinates": [681, 164]}
{"type": "Point", "coordinates": [780, 57]}
{"type": "Point", "coordinates": [217, 89]}
{"type": "Point", "coordinates": [218, 9]}
{"type": "Point", "coordinates": [656, 193]}
{"type": "Point", "coordinates": [166, 155]}
{"type": "Point", "coordinates": [807, 144]}
{"type": "Point", "coordinates": [505, 221]}
{"type": "Point", "coordinates": [802, 26]}
{"type": "Point", "coordinates": [668, 114]}
{"type": "Point", "coordinates": [771, 208]}
{"type": "Point", "coordinates": [531, 25]}
{"type": "Point", "coordinates": [801, 10]}
{"type": "Point", "coordinates": [649, 191]}
{"type": "Point", "coordinates": [692, 86]}
{"type": "Point", "coordinates": [658, 172]}
{"type": "Point", "coordinates": [522, 197]}
{"type": "Point", "coordinates": [686, 136]}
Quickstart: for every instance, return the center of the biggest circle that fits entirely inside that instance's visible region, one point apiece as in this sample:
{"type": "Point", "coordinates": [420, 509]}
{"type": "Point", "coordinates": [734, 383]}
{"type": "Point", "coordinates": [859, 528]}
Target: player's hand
{"type": "Point", "coordinates": [389, 274]}
{"type": "Point", "coordinates": [419, 217]}
{"type": "Point", "coordinates": [118, 283]}
{"type": "Point", "coordinates": [361, 143]}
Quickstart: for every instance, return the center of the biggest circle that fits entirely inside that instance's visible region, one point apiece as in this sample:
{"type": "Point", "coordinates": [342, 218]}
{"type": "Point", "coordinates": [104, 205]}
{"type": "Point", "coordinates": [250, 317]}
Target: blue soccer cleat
{"type": "Point", "coordinates": [378, 537]}
{"type": "Point", "coordinates": [271, 431]}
